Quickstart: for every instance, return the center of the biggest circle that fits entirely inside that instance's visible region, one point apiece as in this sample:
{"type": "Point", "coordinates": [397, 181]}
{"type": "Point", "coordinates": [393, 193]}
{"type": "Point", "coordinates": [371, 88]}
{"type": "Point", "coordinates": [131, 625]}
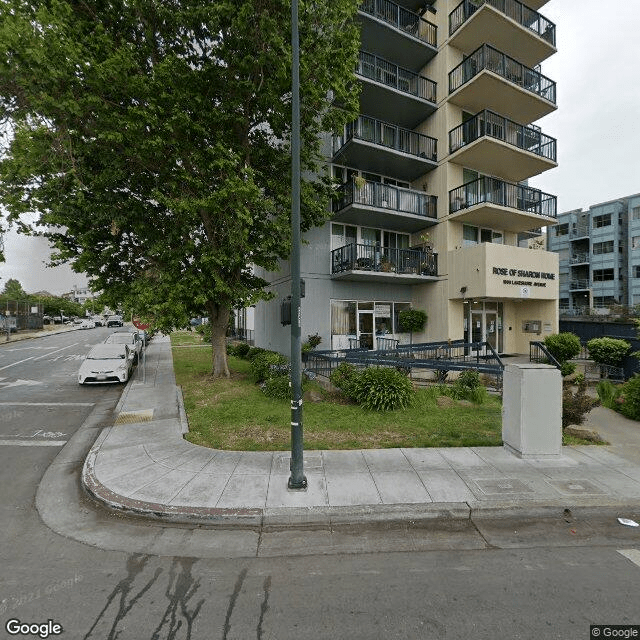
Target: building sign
{"type": "Point", "coordinates": [524, 278]}
{"type": "Point", "coordinates": [382, 310]}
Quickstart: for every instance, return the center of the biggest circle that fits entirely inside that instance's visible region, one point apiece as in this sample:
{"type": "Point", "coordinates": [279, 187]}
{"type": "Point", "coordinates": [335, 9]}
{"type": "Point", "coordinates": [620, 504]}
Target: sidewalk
{"type": "Point", "coordinates": [142, 465]}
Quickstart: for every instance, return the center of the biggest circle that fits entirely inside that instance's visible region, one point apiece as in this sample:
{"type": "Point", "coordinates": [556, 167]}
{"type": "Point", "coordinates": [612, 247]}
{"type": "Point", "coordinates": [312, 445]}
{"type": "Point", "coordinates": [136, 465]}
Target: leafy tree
{"type": "Point", "coordinates": [563, 346]}
{"type": "Point", "coordinates": [150, 138]}
{"type": "Point", "coordinates": [607, 350]}
{"type": "Point", "coordinates": [412, 320]}
{"type": "Point", "coordinates": [13, 289]}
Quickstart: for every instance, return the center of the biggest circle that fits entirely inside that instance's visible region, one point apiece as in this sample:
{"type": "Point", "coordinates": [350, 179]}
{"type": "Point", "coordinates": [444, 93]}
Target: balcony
{"type": "Point", "coordinates": [494, 203]}
{"type": "Point", "coordinates": [397, 33]}
{"type": "Point", "coordinates": [489, 79]}
{"type": "Point", "coordinates": [380, 147]}
{"type": "Point", "coordinates": [579, 285]}
{"type": "Point", "coordinates": [373, 263]}
{"type": "Point", "coordinates": [579, 258]}
{"type": "Point", "coordinates": [508, 25]}
{"type": "Point", "coordinates": [393, 93]}
{"type": "Point", "coordinates": [578, 231]}
{"type": "Point", "coordinates": [495, 145]}
{"type": "Point", "coordinates": [381, 205]}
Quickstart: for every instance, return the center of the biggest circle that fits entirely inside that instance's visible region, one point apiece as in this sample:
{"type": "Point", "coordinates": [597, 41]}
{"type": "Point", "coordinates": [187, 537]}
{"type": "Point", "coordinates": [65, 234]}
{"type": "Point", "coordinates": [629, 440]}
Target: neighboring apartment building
{"type": "Point", "coordinates": [599, 253]}
{"type": "Point", "coordinates": [434, 207]}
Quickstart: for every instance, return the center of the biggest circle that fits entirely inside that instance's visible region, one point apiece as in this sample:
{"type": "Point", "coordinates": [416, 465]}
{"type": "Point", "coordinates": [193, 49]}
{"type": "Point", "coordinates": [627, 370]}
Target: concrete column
{"type": "Point", "coordinates": [532, 410]}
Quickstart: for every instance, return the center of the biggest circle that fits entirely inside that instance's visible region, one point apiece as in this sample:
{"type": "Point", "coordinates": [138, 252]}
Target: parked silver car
{"type": "Point", "coordinates": [131, 338]}
{"type": "Point", "coordinates": [107, 363]}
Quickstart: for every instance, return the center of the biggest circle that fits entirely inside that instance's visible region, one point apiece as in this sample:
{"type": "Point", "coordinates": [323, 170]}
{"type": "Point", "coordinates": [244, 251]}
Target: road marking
{"type": "Point", "coordinates": [20, 383]}
{"type": "Point", "coordinates": [38, 357]}
{"type": "Point", "coordinates": [32, 443]}
{"type": "Point", "coordinates": [631, 554]}
{"type": "Point", "coordinates": [47, 404]}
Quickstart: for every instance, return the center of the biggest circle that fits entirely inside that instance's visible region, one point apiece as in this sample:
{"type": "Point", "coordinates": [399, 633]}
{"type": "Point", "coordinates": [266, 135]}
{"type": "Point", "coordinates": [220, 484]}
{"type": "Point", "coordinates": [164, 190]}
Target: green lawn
{"type": "Point", "coordinates": [234, 414]}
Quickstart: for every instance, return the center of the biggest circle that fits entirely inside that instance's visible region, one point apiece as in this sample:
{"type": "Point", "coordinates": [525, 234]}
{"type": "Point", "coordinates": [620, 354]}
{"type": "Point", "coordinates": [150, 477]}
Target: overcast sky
{"type": "Point", "coordinates": [597, 124]}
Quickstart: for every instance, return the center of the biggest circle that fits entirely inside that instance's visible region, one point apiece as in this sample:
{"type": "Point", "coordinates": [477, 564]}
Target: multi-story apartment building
{"type": "Point", "coordinates": [599, 256]}
{"type": "Point", "coordinates": [433, 196]}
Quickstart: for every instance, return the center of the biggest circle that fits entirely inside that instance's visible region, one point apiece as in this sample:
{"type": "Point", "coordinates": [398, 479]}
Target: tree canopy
{"type": "Point", "coordinates": [150, 138]}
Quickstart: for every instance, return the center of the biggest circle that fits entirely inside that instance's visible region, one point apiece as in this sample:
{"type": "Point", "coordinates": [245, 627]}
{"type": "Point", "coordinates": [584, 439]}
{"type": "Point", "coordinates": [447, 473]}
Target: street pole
{"type": "Point", "coordinates": [297, 479]}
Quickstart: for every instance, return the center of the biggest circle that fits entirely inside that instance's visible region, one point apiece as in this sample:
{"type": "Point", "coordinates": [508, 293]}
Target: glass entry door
{"type": "Point", "coordinates": [365, 329]}
{"type": "Point", "coordinates": [486, 325]}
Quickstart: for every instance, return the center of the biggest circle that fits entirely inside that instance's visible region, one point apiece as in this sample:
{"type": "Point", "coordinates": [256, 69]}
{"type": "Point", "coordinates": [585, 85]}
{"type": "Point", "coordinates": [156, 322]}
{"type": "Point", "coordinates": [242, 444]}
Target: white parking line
{"type": "Point", "coordinates": [32, 443]}
{"type": "Point", "coordinates": [46, 355]}
{"type": "Point", "coordinates": [631, 554]}
{"type": "Point", "coordinates": [47, 404]}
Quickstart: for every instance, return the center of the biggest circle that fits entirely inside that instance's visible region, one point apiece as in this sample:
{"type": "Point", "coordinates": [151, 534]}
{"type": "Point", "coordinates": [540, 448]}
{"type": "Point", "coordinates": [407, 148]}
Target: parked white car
{"type": "Point", "coordinates": [106, 363]}
{"type": "Point", "coordinates": [131, 338]}
{"type": "Point", "coordinates": [87, 324]}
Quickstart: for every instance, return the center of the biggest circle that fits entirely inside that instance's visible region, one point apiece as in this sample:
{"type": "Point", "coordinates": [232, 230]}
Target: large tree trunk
{"type": "Point", "coordinates": [219, 320]}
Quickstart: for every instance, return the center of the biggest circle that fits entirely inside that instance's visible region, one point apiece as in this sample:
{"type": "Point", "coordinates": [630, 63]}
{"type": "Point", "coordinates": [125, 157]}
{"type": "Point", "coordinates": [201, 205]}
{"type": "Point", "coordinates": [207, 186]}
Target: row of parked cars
{"type": "Point", "coordinates": [113, 360]}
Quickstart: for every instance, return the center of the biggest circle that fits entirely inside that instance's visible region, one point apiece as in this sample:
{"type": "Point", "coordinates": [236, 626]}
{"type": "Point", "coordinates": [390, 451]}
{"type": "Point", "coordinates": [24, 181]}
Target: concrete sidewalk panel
{"type": "Point", "coordinates": [129, 483]}
{"type": "Point", "coordinates": [381, 460]}
{"type": "Point", "coordinates": [165, 488]}
{"type": "Point", "coordinates": [245, 491]}
{"type": "Point", "coordinates": [344, 462]}
{"type": "Point", "coordinates": [312, 462]}
{"type": "Point", "coordinates": [445, 486]}
{"type": "Point", "coordinates": [223, 463]}
{"type": "Point", "coordinates": [199, 459]}
{"type": "Point", "coordinates": [159, 451]}
{"type": "Point", "coordinates": [426, 459]}
{"type": "Point", "coordinates": [348, 489]}
{"type": "Point", "coordinates": [501, 459]}
{"type": "Point", "coordinates": [464, 457]}
{"type": "Point", "coordinates": [254, 463]}
{"type": "Point", "coordinates": [400, 487]}
{"type": "Point", "coordinates": [280, 496]}
{"type": "Point", "coordinates": [203, 490]}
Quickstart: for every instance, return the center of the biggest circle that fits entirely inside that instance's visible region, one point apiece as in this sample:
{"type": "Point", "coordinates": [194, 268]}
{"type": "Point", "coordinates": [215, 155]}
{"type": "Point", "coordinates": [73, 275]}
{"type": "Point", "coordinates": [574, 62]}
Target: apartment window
{"type": "Point", "coordinates": [635, 213]}
{"type": "Point", "coordinates": [473, 235]}
{"type": "Point", "coordinates": [602, 247]}
{"type": "Point", "coordinates": [562, 229]}
{"type": "Point", "coordinates": [602, 275]}
{"type": "Point", "coordinates": [635, 242]}
{"type": "Point", "coordinates": [603, 301]}
{"type": "Point", "coordinates": [602, 221]}
{"type": "Point", "coordinates": [636, 270]}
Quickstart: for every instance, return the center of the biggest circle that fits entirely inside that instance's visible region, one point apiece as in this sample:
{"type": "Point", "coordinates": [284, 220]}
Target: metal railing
{"type": "Point", "coordinates": [506, 194]}
{"type": "Point", "coordinates": [388, 135]}
{"type": "Point", "coordinates": [402, 19]}
{"type": "Point", "coordinates": [579, 230]}
{"type": "Point", "coordinates": [597, 371]}
{"type": "Point", "coordinates": [489, 123]}
{"type": "Point", "coordinates": [387, 73]}
{"type": "Point", "coordinates": [538, 352]}
{"type": "Point", "coordinates": [385, 196]}
{"type": "Point", "coordinates": [383, 344]}
{"type": "Point", "coordinates": [583, 283]}
{"type": "Point", "coordinates": [520, 13]}
{"type": "Point", "coordinates": [366, 257]}
{"type": "Point", "coordinates": [487, 58]}
{"type": "Point", "coordinates": [455, 355]}
{"type": "Point", "coordinates": [579, 257]}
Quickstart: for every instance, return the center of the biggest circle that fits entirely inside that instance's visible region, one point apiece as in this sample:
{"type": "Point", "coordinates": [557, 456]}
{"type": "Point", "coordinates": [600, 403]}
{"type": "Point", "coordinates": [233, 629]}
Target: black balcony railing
{"type": "Point", "coordinates": [367, 257]}
{"type": "Point", "coordinates": [487, 58]}
{"type": "Point", "coordinates": [501, 193]}
{"type": "Point", "coordinates": [388, 135]}
{"type": "Point", "coordinates": [577, 258]}
{"type": "Point", "coordinates": [580, 284]}
{"type": "Point", "coordinates": [523, 15]}
{"type": "Point", "coordinates": [401, 19]}
{"type": "Point", "coordinates": [387, 73]}
{"type": "Point", "coordinates": [489, 123]}
{"type": "Point", "coordinates": [385, 196]}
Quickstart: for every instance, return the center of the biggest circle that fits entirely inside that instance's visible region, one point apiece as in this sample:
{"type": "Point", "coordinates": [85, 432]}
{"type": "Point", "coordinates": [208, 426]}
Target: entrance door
{"type": "Point", "coordinates": [365, 329]}
{"type": "Point", "coordinates": [485, 326]}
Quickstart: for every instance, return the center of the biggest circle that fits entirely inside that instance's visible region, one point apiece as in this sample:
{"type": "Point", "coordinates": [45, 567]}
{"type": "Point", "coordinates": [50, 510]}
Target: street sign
{"type": "Point", "coordinates": [143, 326]}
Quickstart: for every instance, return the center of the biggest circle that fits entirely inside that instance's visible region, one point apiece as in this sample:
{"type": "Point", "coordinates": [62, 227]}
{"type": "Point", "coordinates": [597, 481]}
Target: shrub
{"type": "Point", "coordinates": [231, 349]}
{"type": "Point", "coordinates": [608, 394]}
{"type": "Point", "coordinates": [344, 377]}
{"type": "Point", "coordinates": [262, 363]}
{"type": "Point", "coordinates": [255, 351]}
{"type": "Point", "coordinates": [312, 342]}
{"type": "Point", "coordinates": [382, 389]}
{"type": "Point", "coordinates": [278, 387]}
{"type": "Point", "coordinates": [575, 406]}
{"type": "Point", "coordinates": [608, 350]}
{"type": "Point", "coordinates": [412, 320]}
{"type": "Point", "coordinates": [205, 331]}
{"type": "Point", "coordinates": [563, 346]}
{"type": "Point", "coordinates": [242, 349]}
{"type": "Point", "coordinates": [567, 368]}
{"type": "Point", "coordinates": [628, 402]}
{"type": "Point", "coordinates": [467, 387]}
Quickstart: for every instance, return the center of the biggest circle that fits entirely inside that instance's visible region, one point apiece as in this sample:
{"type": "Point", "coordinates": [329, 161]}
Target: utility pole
{"type": "Point", "coordinates": [297, 479]}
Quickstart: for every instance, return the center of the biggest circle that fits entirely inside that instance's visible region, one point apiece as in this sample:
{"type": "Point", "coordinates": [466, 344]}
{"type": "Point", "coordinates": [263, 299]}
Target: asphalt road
{"type": "Point", "coordinates": [143, 581]}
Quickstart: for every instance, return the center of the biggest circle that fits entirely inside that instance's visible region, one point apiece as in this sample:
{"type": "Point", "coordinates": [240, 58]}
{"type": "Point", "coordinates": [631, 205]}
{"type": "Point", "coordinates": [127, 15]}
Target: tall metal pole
{"type": "Point", "coordinates": [297, 479]}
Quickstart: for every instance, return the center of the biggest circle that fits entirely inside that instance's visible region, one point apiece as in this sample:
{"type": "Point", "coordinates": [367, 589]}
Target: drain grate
{"type": "Point", "coordinates": [131, 417]}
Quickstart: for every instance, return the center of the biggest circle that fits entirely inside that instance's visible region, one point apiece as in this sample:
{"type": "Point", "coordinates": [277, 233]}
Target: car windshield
{"type": "Point", "coordinates": [121, 338]}
{"type": "Point", "coordinates": [106, 354]}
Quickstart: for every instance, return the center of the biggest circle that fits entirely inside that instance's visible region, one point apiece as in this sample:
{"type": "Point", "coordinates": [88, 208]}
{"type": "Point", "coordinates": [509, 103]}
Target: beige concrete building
{"type": "Point", "coordinates": [435, 211]}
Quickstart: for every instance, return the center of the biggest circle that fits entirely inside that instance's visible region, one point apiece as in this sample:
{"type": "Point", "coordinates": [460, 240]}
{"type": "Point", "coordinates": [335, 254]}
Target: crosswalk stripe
{"type": "Point", "coordinates": [32, 443]}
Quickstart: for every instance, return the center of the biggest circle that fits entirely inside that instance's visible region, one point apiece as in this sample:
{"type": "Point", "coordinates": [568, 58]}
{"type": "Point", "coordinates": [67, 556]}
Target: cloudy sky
{"type": "Point", "coordinates": [597, 124]}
